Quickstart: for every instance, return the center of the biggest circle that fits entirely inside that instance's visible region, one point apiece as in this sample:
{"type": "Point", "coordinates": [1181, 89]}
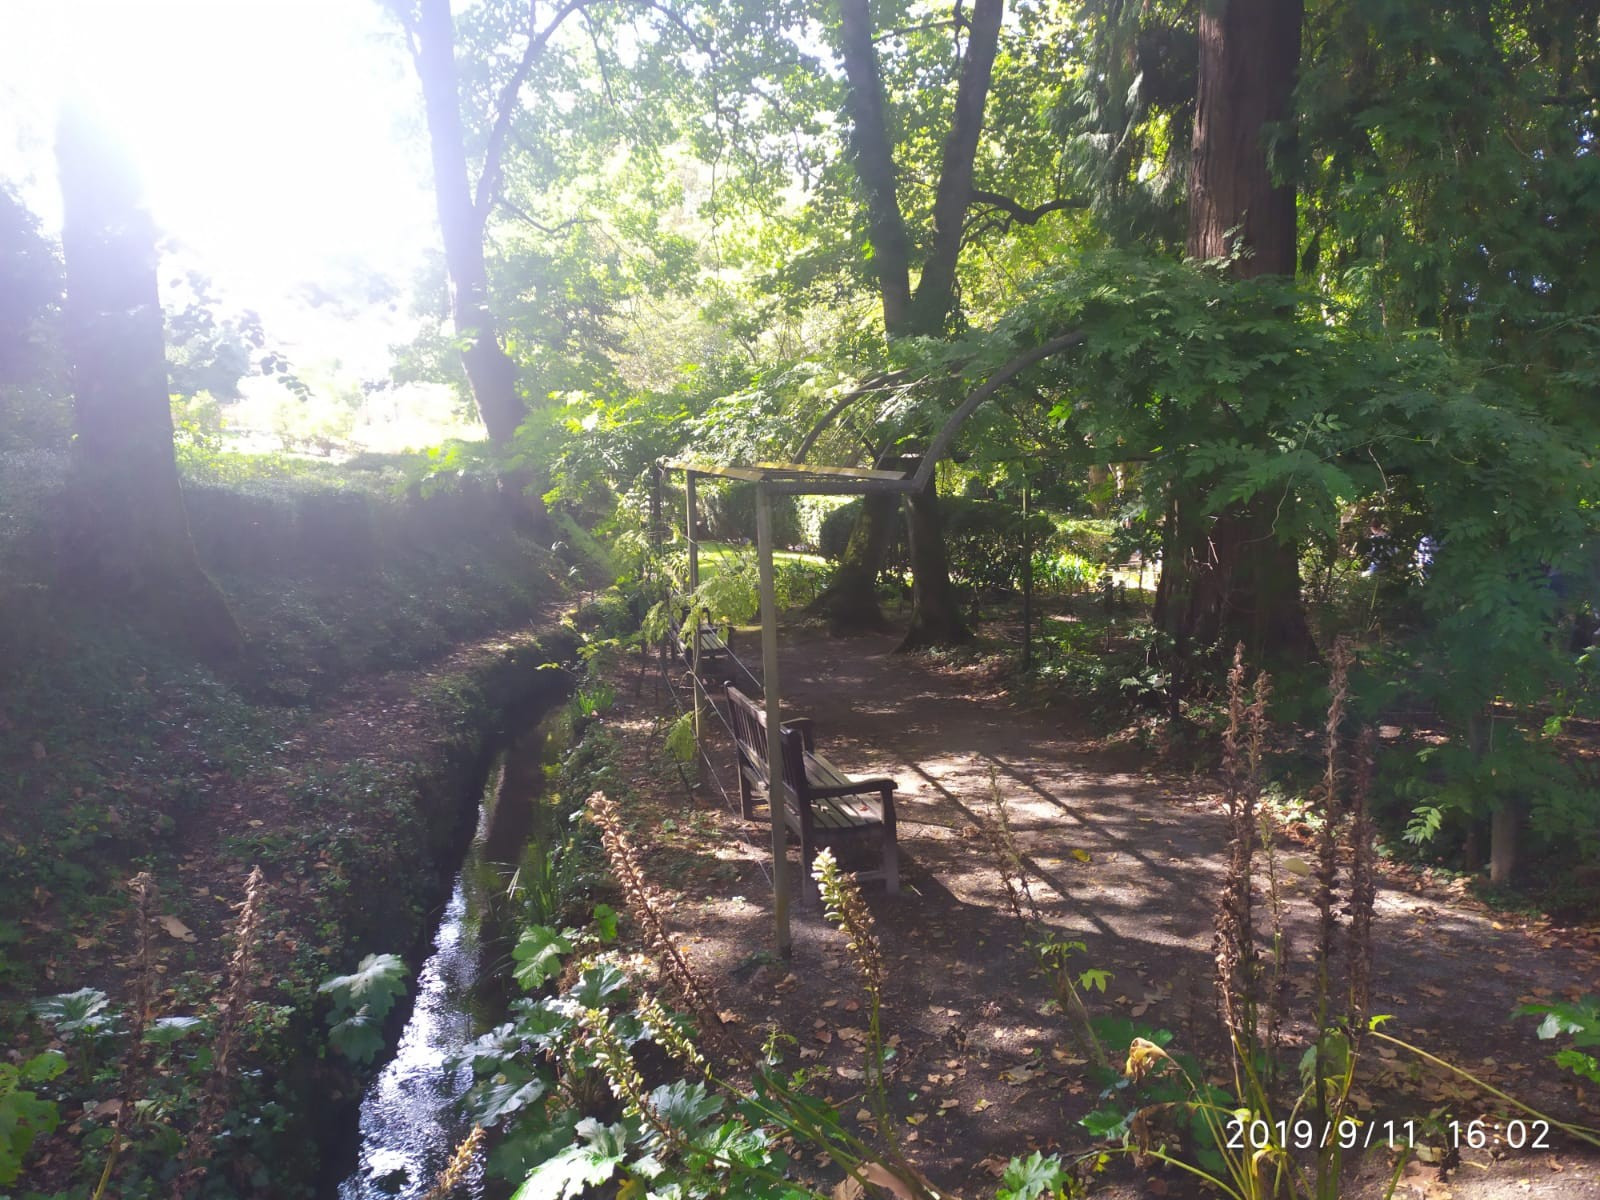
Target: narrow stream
{"type": "Point", "coordinates": [409, 1122]}
{"type": "Point", "coordinates": [410, 1118]}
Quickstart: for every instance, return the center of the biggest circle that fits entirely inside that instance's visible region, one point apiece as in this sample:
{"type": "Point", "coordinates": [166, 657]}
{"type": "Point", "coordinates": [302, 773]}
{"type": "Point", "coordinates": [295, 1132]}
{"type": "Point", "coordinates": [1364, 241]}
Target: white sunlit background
{"type": "Point", "coordinates": [279, 147]}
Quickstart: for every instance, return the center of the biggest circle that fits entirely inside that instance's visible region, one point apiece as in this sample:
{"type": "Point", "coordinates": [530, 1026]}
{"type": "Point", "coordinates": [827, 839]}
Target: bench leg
{"type": "Point", "coordinates": [746, 797]}
{"type": "Point", "coordinates": [891, 865]}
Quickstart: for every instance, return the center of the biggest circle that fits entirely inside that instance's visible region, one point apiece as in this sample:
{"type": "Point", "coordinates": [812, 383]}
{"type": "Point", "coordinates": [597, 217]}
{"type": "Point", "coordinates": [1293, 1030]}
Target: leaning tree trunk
{"type": "Point", "coordinates": [128, 539]}
{"type": "Point", "coordinates": [850, 601]}
{"type": "Point", "coordinates": [935, 614]}
{"type": "Point", "coordinates": [1229, 577]}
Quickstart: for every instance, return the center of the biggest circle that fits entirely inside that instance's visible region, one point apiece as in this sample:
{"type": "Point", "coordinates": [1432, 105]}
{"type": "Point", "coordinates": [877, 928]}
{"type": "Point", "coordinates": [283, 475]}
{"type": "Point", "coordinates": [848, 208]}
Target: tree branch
{"type": "Point", "coordinates": [876, 384]}
{"type": "Point", "coordinates": [989, 387]}
{"type": "Point", "coordinates": [1016, 214]}
{"type": "Point", "coordinates": [547, 230]}
{"type": "Point", "coordinates": [489, 177]}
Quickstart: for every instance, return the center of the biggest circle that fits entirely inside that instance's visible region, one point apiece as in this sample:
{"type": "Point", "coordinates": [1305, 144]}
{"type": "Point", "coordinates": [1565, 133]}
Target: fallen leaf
{"type": "Point", "coordinates": [177, 929]}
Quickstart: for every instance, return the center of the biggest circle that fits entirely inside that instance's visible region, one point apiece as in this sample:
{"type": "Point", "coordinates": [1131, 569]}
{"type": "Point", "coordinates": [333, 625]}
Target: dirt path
{"type": "Point", "coordinates": [1127, 860]}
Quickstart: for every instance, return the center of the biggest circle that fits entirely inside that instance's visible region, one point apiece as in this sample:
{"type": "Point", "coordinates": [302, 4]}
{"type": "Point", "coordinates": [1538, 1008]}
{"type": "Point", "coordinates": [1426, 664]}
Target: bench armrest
{"type": "Point", "coordinates": [884, 787]}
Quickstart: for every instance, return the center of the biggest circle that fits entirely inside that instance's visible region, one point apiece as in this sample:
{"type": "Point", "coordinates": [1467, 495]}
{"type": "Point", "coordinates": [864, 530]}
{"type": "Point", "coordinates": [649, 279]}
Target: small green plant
{"type": "Point", "coordinates": [23, 1114]}
{"type": "Point", "coordinates": [84, 1020]}
{"type": "Point", "coordinates": [361, 1001]}
{"type": "Point", "coordinates": [1578, 1020]}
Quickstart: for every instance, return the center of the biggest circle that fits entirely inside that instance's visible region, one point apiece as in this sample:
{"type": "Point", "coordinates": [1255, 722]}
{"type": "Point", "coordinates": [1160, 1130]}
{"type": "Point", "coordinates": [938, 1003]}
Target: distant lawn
{"type": "Point", "coordinates": [712, 554]}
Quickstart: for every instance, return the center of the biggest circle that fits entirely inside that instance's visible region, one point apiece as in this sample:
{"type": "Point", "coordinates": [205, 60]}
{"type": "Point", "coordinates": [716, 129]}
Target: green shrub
{"type": "Point", "coordinates": [361, 1002]}
{"type": "Point", "coordinates": [988, 540]}
{"type": "Point", "coordinates": [728, 512]}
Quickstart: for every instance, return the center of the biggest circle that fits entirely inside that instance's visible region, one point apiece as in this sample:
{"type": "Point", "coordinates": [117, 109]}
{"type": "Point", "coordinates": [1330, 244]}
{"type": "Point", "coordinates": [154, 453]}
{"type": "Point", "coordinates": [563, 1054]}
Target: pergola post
{"type": "Point", "coordinates": [691, 619]}
{"type": "Point", "coordinates": [692, 517]}
{"type": "Point", "coordinates": [656, 532]}
{"type": "Point", "coordinates": [1027, 582]}
{"type": "Point", "coordinates": [769, 674]}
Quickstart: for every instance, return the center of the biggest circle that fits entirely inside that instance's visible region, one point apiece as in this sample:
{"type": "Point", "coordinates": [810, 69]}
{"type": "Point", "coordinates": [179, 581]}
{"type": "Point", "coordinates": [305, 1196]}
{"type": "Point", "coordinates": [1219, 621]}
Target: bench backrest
{"type": "Point", "coordinates": [749, 722]}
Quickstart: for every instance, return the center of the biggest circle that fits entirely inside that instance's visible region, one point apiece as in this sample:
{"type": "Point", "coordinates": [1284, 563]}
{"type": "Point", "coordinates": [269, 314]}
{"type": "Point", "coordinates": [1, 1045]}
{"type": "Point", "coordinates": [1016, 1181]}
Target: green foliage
{"type": "Point", "coordinates": [23, 1115]}
{"type": "Point", "coordinates": [730, 515]}
{"type": "Point", "coordinates": [360, 1002]}
{"type": "Point", "coordinates": [679, 742]}
{"type": "Point", "coordinates": [1578, 1020]}
{"type": "Point", "coordinates": [1035, 1176]}
{"type": "Point", "coordinates": [83, 1015]}
{"type": "Point", "coordinates": [988, 542]}
{"type": "Point", "coordinates": [539, 954]}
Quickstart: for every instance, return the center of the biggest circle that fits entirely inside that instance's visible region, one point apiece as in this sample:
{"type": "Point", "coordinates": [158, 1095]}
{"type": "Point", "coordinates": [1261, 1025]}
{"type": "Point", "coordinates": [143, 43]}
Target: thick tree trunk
{"type": "Point", "coordinates": [128, 533]}
{"type": "Point", "coordinates": [935, 614]}
{"type": "Point", "coordinates": [1228, 577]}
{"type": "Point", "coordinates": [490, 372]}
{"type": "Point", "coordinates": [1249, 56]}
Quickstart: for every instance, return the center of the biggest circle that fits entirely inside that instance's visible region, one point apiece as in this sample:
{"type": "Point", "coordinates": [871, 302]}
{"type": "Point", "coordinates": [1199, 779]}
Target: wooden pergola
{"type": "Point", "coordinates": [802, 479]}
{"type": "Point", "coordinates": [778, 479]}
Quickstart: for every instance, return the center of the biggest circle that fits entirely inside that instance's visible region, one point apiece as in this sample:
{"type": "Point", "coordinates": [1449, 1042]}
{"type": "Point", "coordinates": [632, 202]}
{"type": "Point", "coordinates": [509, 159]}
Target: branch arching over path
{"type": "Point", "coordinates": [952, 426]}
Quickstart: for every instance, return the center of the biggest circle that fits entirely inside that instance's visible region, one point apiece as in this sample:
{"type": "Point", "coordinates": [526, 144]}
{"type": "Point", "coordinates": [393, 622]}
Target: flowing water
{"type": "Point", "coordinates": [410, 1118]}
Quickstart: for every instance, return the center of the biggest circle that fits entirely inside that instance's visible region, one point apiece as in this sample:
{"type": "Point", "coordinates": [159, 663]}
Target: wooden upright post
{"type": "Point", "coordinates": [769, 674]}
{"type": "Point", "coordinates": [1027, 583]}
{"type": "Point", "coordinates": [691, 619]}
{"type": "Point", "coordinates": [692, 517]}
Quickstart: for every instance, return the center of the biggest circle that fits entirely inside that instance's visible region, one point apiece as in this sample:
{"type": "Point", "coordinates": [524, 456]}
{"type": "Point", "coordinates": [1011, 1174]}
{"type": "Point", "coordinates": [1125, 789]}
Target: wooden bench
{"type": "Point", "coordinates": [715, 650]}
{"type": "Point", "coordinates": [821, 804]}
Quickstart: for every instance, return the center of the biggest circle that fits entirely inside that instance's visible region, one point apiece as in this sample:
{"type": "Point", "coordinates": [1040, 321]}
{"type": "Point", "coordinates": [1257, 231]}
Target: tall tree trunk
{"type": "Point", "coordinates": [936, 289]}
{"type": "Point", "coordinates": [873, 152]}
{"type": "Point", "coordinates": [490, 372]}
{"type": "Point", "coordinates": [850, 598]}
{"type": "Point", "coordinates": [128, 532]}
{"type": "Point", "coordinates": [1228, 577]}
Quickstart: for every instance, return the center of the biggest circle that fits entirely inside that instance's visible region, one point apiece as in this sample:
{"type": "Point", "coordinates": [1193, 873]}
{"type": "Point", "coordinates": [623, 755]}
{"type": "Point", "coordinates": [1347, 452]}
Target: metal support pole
{"type": "Point", "coordinates": [769, 672]}
{"type": "Point", "coordinates": [656, 531]}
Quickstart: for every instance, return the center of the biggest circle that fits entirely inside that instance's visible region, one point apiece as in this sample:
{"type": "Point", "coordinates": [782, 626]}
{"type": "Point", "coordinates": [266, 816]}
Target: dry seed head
{"type": "Point", "coordinates": [630, 877]}
{"type": "Point", "coordinates": [625, 867]}
{"type": "Point", "coordinates": [846, 909]}
{"type": "Point", "coordinates": [459, 1166]}
{"type": "Point", "coordinates": [1008, 858]}
{"type": "Point", "coordinates": [1143, 1057]}
{"type": "Point", "coordinates": [241, 982]}
{"type": "Point", "coordinates": [1363, 885]}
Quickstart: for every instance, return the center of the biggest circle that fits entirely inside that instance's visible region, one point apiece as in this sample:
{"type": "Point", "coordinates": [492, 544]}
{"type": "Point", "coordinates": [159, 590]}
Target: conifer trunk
{"type": "Point", "coordinates": [128, 537]}
{"type": "Point", "coordinates": [1228, 577]}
